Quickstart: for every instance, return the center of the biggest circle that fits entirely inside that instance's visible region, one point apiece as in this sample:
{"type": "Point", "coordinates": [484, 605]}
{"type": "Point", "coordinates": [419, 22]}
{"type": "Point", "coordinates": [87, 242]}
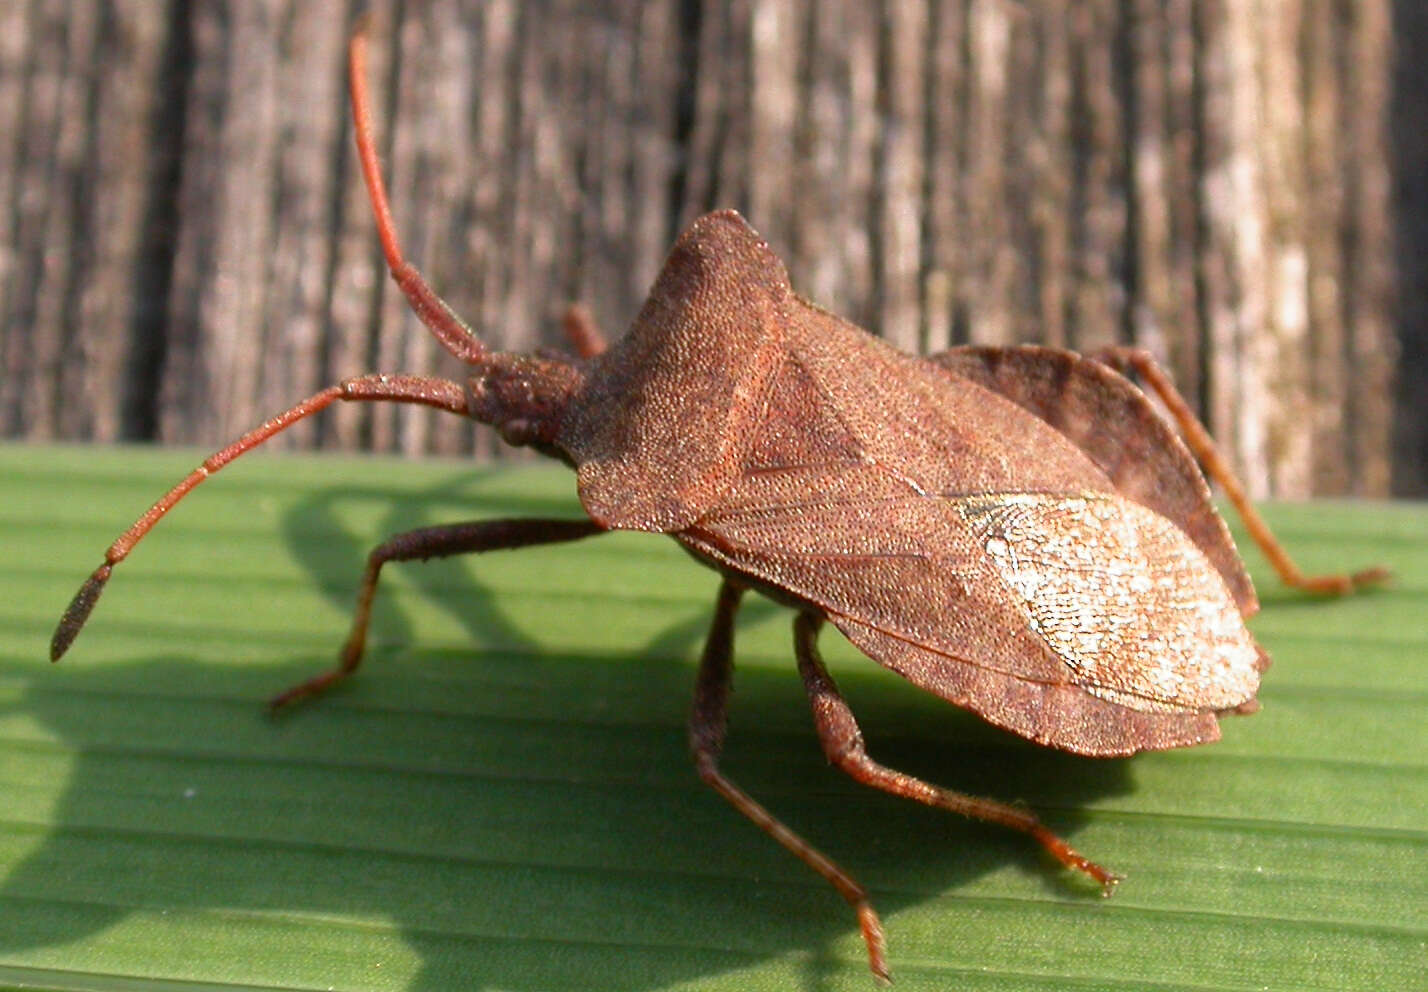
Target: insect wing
{"type": "Point", "coordinates": [1036, 591]}
{"type": "Point", "coordinates": [1108, 418]}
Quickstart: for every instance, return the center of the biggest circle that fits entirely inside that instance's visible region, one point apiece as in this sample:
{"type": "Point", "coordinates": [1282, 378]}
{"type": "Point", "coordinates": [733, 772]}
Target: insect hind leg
{"type": "Point", "coordinates": [843, 744]}
{"type": "Point", "coordinates": [1140, 362]}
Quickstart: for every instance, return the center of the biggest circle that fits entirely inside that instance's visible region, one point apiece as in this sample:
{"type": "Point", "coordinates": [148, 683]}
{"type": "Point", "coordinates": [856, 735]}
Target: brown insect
{"type": "Point", "coordinates": [1013, 529]}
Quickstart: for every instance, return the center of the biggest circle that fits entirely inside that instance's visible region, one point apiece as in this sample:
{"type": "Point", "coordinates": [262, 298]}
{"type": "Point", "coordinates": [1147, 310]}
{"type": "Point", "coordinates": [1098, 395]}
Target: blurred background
{"type": "Point", "coordinates": [1240, 186]}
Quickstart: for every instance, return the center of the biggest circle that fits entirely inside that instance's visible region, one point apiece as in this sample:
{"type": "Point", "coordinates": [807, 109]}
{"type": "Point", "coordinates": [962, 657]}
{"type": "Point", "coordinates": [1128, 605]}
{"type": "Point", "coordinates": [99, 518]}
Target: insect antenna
{"type": "Point", "coordinates": [453, 333]}
{"type": "Point", "coordinates": [425, 390]}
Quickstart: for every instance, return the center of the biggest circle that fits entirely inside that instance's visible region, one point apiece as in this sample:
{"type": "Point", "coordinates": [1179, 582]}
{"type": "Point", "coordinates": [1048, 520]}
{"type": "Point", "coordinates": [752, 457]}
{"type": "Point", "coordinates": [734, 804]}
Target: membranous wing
{"type": "Point", "coordinates": [1039, 596]}
{"type": "Point", "coordinates": [1114, 424]}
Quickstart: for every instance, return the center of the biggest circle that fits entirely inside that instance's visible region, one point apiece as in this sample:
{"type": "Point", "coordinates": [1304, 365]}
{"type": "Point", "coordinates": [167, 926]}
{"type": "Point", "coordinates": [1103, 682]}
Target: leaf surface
{"type": "Point", "coordinates": [502, 798]}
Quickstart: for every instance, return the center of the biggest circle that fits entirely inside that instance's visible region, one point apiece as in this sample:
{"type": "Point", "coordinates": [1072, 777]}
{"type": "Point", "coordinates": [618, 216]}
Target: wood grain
{"type": "Point", "coordinates": [186, 247]}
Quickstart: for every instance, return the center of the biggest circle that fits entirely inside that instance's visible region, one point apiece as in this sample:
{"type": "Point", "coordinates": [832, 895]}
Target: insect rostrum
{"type": "Point", "coordinates": [1013, 529]}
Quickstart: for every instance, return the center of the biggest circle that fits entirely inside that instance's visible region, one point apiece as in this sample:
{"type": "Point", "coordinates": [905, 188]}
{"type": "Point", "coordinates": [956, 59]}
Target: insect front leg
{"type": "Point", "coordinates": [707, 726]}
{"type": "Point", "coordinates": [1145, 367]}
{"type": "Point", "coordinates": [843, 744]}
{"type": "Point", "coordinates": [424, 543]}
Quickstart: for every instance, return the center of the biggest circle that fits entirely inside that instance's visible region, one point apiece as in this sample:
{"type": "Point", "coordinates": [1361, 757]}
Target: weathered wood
{"type": "Point", "coordinates": [1408, 153]}
{"type": "Point", "coordinates": [1367, 262]}
{"type": "Point", "coordinates": [184, 244]}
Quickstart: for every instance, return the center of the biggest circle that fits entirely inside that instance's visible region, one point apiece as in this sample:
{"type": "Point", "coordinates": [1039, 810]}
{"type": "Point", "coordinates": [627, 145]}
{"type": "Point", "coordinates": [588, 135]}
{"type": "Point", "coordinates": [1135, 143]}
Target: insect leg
{"type": "Point", "coordinates": [424, 543]}
{"type": "Point", "coordinates": [843, 744]}
{"type": "Point", "coordinates": [1218, 468]}
{"type": "Point", "coordinates": [424, 390]}
{"type": "Point", "coordinates": [707, 725]}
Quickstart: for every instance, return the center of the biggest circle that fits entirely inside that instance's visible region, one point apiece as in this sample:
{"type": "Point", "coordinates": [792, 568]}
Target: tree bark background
{"type": "Point", "coordinates": [185, 245]}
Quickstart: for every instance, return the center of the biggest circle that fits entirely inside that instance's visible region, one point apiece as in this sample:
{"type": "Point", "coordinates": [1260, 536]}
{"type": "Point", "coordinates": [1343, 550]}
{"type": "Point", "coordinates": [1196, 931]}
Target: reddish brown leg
{"type": "Point", "coordinates": [1218, 468]}
{"type": "Point", "coordinates": [582, 332]}
{"type": "Point", "coordinates": [424, 543]}
{"type": "Point", "coordinates": [439, 393]}
{"type": "Point", "coordinates": [843, 743]}
{"type": "Point", "coordinates": [707, 725]}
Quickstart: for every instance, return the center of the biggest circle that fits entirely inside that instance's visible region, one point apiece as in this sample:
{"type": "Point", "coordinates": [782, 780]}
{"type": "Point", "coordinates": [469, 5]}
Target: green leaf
{"type": "Point", "coordinates": [502, 799]}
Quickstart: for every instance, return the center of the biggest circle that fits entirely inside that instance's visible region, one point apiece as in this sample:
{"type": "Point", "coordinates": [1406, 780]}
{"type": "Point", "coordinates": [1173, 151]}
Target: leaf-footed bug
{"type": "Point", "coordinates": [1014, 529]}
